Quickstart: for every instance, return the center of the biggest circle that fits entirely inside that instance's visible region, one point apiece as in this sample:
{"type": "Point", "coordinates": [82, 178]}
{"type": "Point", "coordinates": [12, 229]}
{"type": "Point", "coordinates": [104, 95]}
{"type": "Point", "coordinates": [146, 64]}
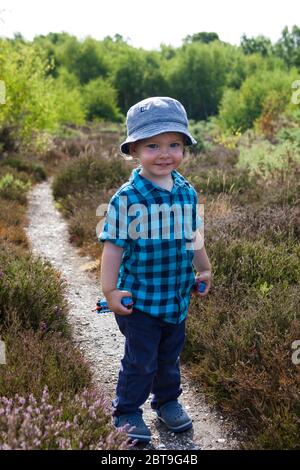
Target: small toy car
{"type": "Point", "coordinates": [200, 286]}
{"type": "Point", "coordinates": [102, 306]}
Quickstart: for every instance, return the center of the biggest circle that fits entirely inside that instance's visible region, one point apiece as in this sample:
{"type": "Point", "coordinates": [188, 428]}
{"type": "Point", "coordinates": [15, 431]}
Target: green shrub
{"type": "Point", "coordinates": [255, 262]}
{"type": "Point", "coordinates": [31, 290]}
{"type": "Point", "coordinates": [215, 181]}
{"type": "Point", "coordinates": [240, 108]}
{"type": "Point", "coordinates": [13, 188]}
{"type": "Point", "coordinates": [100, 99]}
{"type": "Point", "coordinates": [263, 158]}
{"type": "Point", "coordinates": [197, 129]}
{"type": "Point", "coordinates": [35, 359]}
{"type": "Point", "coordinates": [289, 134]}
{"type": "Point", "coordinates": [239, 348]}
{"type": "Point", "coordinates": [90, 173]}
{"type": "Point", "coordinates": [35, 102]}
{"type": "Point", "coordinates": [35, 170]}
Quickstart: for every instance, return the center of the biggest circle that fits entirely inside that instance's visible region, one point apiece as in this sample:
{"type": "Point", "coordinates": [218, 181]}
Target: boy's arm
{"type": "Point", "coordinates": [110, 266]}
{"type": "Point", "coordinates": [201, 263]}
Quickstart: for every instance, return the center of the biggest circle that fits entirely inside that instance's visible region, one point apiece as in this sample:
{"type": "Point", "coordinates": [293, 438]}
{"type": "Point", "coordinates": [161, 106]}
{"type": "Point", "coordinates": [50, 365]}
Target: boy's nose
{"type": "Point", "coordinates": [164, 151]}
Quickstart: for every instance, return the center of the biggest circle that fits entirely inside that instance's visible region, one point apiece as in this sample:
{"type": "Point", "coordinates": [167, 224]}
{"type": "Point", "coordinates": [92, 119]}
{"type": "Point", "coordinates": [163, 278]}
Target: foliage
{"type": "Point", "coordinates": [259, 93]}
{"type": "Point", "coordinates": [90, 173]}
{"type": "Point", "coordinates": [36, 424]}
{"type": "Point", "coordinates": [33, 101]}
{"type": "Point", "coordinates": [197, 77]}
{"type": "Point", "coordinates": [287, 46]}
{"type": "Point", "coordinates": [263, 157]}
{"type": "Point", "coordinates": [21, 293]}
{"type": "Point", "coordinates": [100, 99]}
{"type": "Point", "coordinates": [58, 79]}
{"type": "Point", "coordinates": [13, 188]}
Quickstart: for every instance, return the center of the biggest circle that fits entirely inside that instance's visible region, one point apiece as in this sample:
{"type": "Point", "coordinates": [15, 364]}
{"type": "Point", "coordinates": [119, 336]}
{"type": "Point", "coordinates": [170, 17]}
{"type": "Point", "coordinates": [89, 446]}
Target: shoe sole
{"type": "Point", "coordinates": [181, 428]}
{"type": "Point", "coordinates": [139, 438]}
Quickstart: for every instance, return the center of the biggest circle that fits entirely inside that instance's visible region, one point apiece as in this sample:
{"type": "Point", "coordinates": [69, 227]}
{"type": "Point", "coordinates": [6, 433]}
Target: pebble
{"type": "Point", "coordinates": [161, 446]}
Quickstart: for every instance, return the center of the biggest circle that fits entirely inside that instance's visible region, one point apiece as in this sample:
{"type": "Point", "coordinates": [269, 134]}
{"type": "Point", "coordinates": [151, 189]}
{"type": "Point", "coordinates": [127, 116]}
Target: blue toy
{"type": "Point", "coordinates": [200, 286]}
{"type": "Point", "coordinates": [102, 306]}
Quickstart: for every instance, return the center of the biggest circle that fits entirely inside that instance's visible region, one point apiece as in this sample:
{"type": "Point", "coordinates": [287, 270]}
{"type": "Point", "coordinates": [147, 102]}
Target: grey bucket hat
{"type": "Point", "coordinates": [154, 116]}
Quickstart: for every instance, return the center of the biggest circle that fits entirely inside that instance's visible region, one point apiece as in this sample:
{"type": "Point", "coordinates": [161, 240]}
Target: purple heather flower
{"type": "Point", "coordinates": [43, 326]}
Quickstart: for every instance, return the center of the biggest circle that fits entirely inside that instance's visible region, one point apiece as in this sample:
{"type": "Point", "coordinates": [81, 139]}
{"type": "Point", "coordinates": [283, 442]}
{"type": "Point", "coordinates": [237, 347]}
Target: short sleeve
{"type": "Point", "coordinates": [116, 223]}
{"type": "Point", "coordinates": [197, 219]}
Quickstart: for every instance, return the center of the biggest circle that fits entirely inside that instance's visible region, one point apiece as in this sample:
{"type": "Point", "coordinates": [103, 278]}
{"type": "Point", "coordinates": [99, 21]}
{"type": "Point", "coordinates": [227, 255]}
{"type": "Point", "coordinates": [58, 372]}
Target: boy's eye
{"type": "Point", "coordinates": [152, 146]}
{"type": "Point", "coordinates": [174, 145]}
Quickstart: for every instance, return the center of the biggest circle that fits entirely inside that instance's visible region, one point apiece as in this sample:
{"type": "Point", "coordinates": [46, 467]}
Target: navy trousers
{"type": "Point", "coordinates": [150, 363]}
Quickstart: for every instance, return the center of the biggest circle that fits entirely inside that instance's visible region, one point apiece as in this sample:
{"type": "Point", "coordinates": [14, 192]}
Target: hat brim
{"type": "Point", "coordinates": [156, 129]}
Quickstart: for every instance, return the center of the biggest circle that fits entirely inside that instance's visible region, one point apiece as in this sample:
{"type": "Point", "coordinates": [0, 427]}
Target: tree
{"type": "Point", "coordinates": [100, 100]}
{"type": "Point", "coordinates": [197, 76]}
{"type": "Point", "coordinates": [85, 59]}
{"type": "Point", "coordinates": [138, 75]}
{"type": "Point", "coordinates": [256, 45]}
{"type": "Point", "coordinates": [203, 37]}
{"type": "Point", "coordinates": [288, 46]}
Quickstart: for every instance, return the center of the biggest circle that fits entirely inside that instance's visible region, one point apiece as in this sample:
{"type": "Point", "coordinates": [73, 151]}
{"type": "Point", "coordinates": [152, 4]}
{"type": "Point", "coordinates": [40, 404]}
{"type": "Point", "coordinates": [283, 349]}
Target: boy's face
{"type": "Point", "coordinates": [159, 155]}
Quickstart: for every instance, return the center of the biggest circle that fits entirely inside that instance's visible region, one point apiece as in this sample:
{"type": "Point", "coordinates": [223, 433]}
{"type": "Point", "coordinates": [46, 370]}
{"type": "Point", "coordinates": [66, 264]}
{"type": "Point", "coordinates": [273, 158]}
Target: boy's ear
{"type": "Point", "coordinates": [132, 149]}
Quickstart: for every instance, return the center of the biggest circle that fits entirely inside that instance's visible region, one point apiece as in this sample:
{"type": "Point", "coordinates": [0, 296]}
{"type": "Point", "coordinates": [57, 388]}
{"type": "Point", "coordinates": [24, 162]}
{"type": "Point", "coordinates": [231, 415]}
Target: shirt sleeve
{"type": "Point", "coordinates": [197, 219]}
{"type": "Point", "coordinates": [115, 227]}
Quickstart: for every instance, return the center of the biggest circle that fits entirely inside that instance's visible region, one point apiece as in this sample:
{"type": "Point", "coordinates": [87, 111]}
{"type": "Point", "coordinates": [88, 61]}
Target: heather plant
{"type": "Point", "coordinates": [239, 348]}
{"type": "Point", "coordinates": [39, 358]}
{"type": "Point", "coordinates": [33, 289]}
{"type": "Point", "coordinates": [35, 170]}
{"type": "Point", "coordinates": [36, 424]}
{"type": "Point", "coordinates": [270, 224]}
{"type": "Point", "coordinates": [255, 262]}
{"type": "Point", "coordinates": [216, 180]}
{"type": "Point", "coordinates": [264, 158]}
{"type": "Point", "coordinates": [90, 173]}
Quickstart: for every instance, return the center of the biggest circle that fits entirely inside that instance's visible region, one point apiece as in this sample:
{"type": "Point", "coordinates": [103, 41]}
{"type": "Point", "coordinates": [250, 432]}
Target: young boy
{"type": "Point", "coordinates": [150, 258]}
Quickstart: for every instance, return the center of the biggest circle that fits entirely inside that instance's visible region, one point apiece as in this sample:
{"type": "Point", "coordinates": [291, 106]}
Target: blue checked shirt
{"type": "Point", "coordinates": [157, 265]}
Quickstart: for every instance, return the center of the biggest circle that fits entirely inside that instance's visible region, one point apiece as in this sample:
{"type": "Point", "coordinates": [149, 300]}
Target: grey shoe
{"type": "Point", "coordinates": [174, 416]}
{"type": "Point", "coordinates": [137, 428]}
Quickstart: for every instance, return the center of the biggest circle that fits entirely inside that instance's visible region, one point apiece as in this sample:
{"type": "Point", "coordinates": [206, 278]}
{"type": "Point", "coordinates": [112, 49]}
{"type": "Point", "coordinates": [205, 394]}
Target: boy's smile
{"type": "Point", "coordinates": [159, 155]}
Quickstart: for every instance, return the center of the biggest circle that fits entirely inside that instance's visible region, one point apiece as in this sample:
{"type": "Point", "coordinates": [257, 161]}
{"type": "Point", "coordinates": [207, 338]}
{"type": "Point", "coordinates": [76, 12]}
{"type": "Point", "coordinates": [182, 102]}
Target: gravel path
{"type": "Point", "coordinates": [98, 336]}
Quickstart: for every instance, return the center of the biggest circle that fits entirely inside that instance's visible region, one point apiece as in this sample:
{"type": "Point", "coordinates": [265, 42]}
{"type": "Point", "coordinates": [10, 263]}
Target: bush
{"type": "Point", "coordinates": [263, 158]}
{"type": "Point", "coordinates": [34, 101]}
{"type": "Point", "coordinates": [34, 170]}
{"type": "Point", "coordinates": [239, 348]}
{"type": "Point", "coordinates": [240, 108]}
{"type": "Point", "coordinates": [197, 129]}
{"type": "Point", "coordinates": [32, 290]}
{"type": "Point", "coordinates": [215, 181]}
{"type": "Point", "coordinates": [35, 359]}
{"type": "Point", "coordinates": [90, 173]}
{"type": "Point", "coordinates": [35, 424]}
{"type": "Point", "coordinates": [100, 99]}
{"type": "Point", "coordinates": [13, 188]}
{"type": "Point", "coordinates": [255, 263]}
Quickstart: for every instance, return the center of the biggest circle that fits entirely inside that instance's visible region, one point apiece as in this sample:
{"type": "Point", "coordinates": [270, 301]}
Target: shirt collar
{"type": "Point", "coordinates": [144, 186]}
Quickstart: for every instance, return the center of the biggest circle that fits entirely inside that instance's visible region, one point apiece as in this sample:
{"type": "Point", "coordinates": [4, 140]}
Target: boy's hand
{"type": "Point", "coordinates": [114, 298]}
{"type": "Point", "coordinates": [205, 276]}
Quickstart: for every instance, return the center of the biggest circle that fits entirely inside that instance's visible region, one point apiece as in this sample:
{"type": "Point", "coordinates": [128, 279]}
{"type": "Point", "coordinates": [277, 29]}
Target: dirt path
{"type": "Point", "coordinates": [98, 336]}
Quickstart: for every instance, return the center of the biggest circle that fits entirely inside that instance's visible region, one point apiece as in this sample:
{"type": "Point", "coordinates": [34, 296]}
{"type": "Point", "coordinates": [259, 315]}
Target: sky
{"type": "Point", "coordinates": [150, 23]}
